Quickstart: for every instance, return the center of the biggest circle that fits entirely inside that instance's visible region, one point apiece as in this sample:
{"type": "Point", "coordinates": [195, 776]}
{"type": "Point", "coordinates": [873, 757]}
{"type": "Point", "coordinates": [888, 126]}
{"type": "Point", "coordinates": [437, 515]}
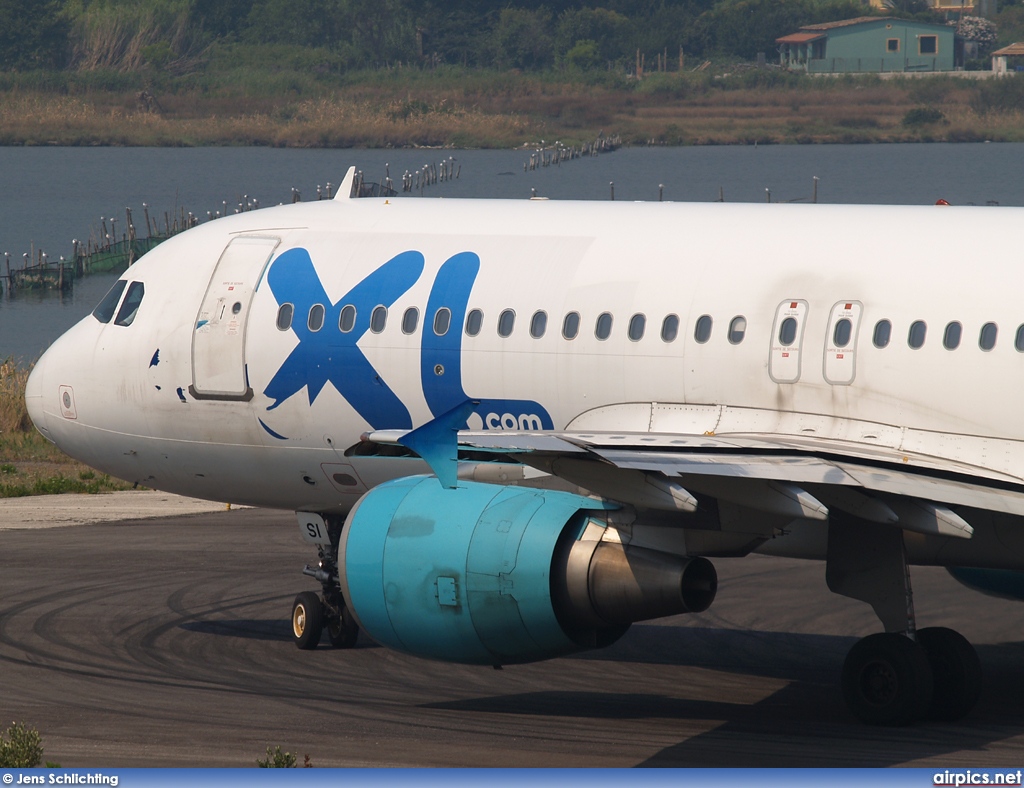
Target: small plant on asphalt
{"type": "Point", "coordinates": [20, 747]}
{"type": "Point", "coordinates": [277, 760]}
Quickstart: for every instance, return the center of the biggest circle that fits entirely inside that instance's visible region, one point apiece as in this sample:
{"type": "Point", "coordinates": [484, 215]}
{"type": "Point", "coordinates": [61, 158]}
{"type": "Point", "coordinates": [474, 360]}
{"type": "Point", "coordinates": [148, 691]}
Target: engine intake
{"type": "Point", "coordinates": [487, 574]}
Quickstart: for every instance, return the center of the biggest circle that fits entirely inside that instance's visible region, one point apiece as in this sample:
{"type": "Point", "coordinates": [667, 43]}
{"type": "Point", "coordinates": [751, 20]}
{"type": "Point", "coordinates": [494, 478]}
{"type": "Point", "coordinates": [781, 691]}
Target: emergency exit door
{"type": "Point", "coordinates": [787, 342]}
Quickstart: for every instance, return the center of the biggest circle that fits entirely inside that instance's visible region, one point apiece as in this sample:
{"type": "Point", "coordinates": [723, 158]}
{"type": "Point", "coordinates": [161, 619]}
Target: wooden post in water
{"type": "Point", "coordinates": [611, 185]}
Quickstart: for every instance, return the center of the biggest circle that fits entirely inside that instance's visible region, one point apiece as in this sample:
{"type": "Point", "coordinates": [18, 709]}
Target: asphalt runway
{"type": "Point", "coordinates": [166, 643]}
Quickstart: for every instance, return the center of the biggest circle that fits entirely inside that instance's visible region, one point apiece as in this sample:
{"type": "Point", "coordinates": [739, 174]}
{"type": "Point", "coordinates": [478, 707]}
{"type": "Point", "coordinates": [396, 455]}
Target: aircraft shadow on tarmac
{"type": "Point", "coordinates": [249, 628]}
{"type": "Point", "coordinates": [269, 629]}
{"type": "Point", "coordinates": [804, 723]}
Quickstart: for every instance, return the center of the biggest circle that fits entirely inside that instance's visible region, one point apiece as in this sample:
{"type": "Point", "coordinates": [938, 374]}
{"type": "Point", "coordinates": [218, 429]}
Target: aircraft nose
{"type": "Point", "coordinates": [34, 396]}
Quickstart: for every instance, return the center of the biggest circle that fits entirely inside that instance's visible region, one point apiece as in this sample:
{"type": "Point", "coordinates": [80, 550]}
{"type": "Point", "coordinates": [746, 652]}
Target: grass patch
{"type": "Point", "coordinates": [30, 464]}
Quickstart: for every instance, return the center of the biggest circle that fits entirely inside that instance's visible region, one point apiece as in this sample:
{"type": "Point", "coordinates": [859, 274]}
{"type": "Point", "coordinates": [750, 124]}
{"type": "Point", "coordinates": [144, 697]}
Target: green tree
{"type": "Point", "coordinates": [369, 31]}
{"type": "Point", "coordinates": [523, 39]}
{"type": "Point", "coordinates": [300, 22]}
{"type": "Point", "coordinates": [608, 31]}
{"type": "Point", "coordinates": [33, 34]}
{"type": "Point", "coordinates": [585, 56]}
{"type": "Point", "coordinates": [745, 27]}
{"type": "Point", "coordinates": [222, 18]}
{"type": "Point", "coordinates": [382, 31]}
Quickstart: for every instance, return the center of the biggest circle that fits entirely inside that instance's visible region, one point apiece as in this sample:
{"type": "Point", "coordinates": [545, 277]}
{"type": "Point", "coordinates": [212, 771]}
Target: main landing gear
{"type": "Point", "coordinates": [312, 612]}
{"type": "Point", "coordinates": [903, 675]}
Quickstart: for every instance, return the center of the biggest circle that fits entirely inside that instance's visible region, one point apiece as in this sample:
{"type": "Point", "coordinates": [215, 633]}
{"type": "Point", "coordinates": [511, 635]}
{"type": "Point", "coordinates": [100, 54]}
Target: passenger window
{"type": "Point", "coordinates": [737, 329]}
{"type": "Point", "coordinates": [506, 322]}
{"type": "Point", "coordinates": [474, 322]}
{"type": "Point", "coordinates": [1018, 342]}
{"type": "Point", "coordinates": [883, 333]}
{"type": "Point", "coordinates": [442, 321]}
{"type": "Point", "coordinates": [105, 309]}
{"type": "Point", "coordinates": [669, 328]}
{"type": "Point", "coordinates": [378, 319]}
{"type": "Point", "coordinates": [637, 326]}
{"type": "Point", "coordinates": [347, 320]}
{"type": "Point", "coordinates": [951, 336]}
{"type": "Point", "coordinates": [842, 332]}
{"type": "Point", "coordinates": [987, 339]}
{"type": "Point", "coordinates": [315, 321]}
{"type": "Point", "coordinates": [539, 324]}
{"type": "Point", "coordinates": [284, 317]}
{"type": "Point", "coordinates": [571, 325]}
{"type": "Point", "coordinates": [130, 306]}
{"type": "Point", "coordinates": [410, 320]}
{"type": "Point", "coordinates": [702, 331]}
{"type": "Point", "coordinates": [915, 338]}
{"type": "Point", "coordinates": [787, 331]}
{"type": "Point", "coordinates": [603, 328]}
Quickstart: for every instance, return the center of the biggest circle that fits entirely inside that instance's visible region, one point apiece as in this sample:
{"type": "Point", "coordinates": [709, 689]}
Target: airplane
{"type": "Point", "coordinates": [510, 429]}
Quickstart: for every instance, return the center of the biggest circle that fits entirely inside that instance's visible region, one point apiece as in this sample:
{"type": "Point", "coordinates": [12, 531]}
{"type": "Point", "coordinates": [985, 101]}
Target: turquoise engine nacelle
{"type": "Point", "coordinates": [1002, 583]}
{"type": "Point", "coordinates": [492, 575]}
{"type": "Point", "coordinates": [461, 575]}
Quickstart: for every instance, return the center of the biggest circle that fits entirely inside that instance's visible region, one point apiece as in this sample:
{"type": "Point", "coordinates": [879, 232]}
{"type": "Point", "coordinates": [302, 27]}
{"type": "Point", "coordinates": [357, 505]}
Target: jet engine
{"type": "Point", "coordinates": [488, 574]}
{"type": "Point", "coordinates": [1002, 583]}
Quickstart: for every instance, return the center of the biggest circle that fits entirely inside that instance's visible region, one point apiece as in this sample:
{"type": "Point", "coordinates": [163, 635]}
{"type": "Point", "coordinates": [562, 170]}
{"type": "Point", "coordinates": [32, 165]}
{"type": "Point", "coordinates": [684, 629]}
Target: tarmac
{"type": "Point", "coordinates": [165, 641]}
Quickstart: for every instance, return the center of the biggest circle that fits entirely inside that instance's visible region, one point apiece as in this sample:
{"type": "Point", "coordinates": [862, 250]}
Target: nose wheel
{"type": "Point", "coordinates": [307, 620]}
{"type": "Point", "coordinates": [310, 617]}
{"type": "Point", "coordinates": [343, 631]}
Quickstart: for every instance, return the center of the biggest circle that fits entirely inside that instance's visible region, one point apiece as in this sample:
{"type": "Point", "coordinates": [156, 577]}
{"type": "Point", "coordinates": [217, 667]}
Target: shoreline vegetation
{"type": "Point", "coordinates": [30, 464]}
{"type": "Point", "coordinates": [455, 107]}
{"type": "Point", "coordinates": [465, 74]}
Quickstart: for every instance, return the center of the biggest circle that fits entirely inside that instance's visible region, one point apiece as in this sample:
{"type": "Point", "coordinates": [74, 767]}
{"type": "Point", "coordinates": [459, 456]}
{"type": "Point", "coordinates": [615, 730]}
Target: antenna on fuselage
{"type": "Point", "coordinates": [345, 189]}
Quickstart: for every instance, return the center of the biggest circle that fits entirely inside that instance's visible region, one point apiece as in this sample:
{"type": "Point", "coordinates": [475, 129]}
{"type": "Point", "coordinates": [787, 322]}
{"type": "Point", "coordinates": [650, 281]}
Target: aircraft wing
{"type": "Point", "coordinates": [783, 458]}
{"type": "Point", "coordinates": [762, 471]}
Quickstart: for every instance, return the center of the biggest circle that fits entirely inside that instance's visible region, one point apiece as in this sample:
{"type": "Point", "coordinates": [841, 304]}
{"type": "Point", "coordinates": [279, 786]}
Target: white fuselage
{"type": "Point", "coordinates": [129, 409]}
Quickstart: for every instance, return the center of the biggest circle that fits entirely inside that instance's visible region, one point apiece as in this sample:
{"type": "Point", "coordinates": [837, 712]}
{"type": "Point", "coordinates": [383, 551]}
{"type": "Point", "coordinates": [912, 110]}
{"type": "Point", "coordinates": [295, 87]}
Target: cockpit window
{"type": "Point", "coordinates": [130, 306]}
{"type": "Point", "coordinates": [106, 307]}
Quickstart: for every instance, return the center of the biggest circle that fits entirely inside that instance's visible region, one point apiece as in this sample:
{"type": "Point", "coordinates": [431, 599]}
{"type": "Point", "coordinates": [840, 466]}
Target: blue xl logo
{"type": "Point", "coordinates": [334, 357]}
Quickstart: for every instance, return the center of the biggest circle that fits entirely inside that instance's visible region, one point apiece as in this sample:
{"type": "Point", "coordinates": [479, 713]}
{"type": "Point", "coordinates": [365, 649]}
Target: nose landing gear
{"type": "Point", "coordinates": [311, 612]}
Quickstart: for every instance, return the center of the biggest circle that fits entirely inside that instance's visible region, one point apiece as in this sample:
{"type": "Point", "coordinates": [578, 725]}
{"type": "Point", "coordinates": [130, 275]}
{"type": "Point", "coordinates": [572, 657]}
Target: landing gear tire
{"type": "Point", "coordinates": [307, 620]}
{"type": "Point", "coordinates": [956, 672]}
{"type": "Point", "coordinates": [887, 680]}
{"type": "Point", "coordinates": [344, 631]}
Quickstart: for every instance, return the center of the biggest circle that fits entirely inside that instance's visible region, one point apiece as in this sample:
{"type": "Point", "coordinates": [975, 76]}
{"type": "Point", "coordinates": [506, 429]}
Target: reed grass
{"type": "Point", "coordinates": [283, 106]}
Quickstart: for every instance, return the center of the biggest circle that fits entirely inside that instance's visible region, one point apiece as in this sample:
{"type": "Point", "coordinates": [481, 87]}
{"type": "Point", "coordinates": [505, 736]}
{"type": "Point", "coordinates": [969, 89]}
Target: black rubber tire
{"type": "Point", "coordinates": [307, 620]}
{"type": "Point", "coordinates": [887, 680]}
{"type": "Point", "coordinates": [956, 672]}
{"type": "Point", "coordinates": [343, 632]}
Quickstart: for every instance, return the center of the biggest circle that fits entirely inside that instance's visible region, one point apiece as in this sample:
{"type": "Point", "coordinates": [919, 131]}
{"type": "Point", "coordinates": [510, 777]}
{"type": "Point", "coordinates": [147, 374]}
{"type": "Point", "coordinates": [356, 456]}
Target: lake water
{"type": "Point", "coordinates": [49, 196]}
